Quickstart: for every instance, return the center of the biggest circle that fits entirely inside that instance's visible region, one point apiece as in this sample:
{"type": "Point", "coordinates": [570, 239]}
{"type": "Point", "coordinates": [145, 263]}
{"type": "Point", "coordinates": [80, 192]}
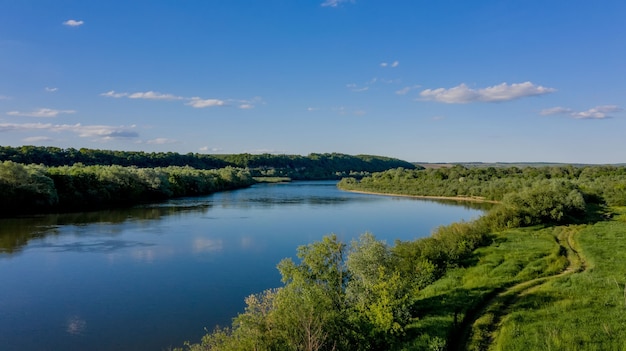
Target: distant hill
{"type": "Point", "coordinates": [297, 167]}
{"type": "Point", "coordinates": [505, 164]}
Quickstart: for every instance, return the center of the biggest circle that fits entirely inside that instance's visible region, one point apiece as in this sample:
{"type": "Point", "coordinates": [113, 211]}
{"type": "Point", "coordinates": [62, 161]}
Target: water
{"type": "Point", "coordinates": [151, 277]}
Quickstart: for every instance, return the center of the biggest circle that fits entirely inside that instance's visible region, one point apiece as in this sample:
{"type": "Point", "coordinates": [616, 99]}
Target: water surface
{"type": "Point", "coordinates": [154, 276]}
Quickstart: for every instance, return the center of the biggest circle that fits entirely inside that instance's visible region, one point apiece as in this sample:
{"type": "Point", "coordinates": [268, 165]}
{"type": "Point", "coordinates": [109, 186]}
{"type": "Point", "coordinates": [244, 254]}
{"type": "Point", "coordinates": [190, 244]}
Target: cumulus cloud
{"type": "Point", "coordinates": [202, 103]}
{"type": "Point", "coordinates": [102, 132]}
{"type": "Point", "coordinates": [51, 90]}
{"type": "Point", "coordinates": [152, 95]}
{"type": "Point", "coordinates": [73, 23]}
{"type": "Point", "coordinates": [598, 112]}
{"type": "Point", "coordinates": [42, 112]}
{"type": "Point", "coordinates": [335, 3]}
{"type": "Point", "coordinates": [462, 94]}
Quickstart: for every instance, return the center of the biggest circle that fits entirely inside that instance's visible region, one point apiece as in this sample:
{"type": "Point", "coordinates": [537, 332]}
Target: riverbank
{"type": "Point", "coordinates": [450, 198]}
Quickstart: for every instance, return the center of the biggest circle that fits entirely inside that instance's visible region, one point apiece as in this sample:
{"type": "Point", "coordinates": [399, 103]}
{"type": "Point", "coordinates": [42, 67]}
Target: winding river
{"type": "Point", "coordinates": [151, 277]}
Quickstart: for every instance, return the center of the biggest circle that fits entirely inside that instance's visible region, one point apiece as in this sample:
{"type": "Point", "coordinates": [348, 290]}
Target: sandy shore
{"type": "Point", "coordinates": [453, 198]}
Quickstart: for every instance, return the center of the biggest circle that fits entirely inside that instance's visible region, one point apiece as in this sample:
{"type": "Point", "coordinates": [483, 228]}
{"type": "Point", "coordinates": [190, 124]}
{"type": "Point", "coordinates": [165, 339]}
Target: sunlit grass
{"type": "Point", "coordinates": [514, 256]}
{"type": "Point", "coordinates": [584, 311]}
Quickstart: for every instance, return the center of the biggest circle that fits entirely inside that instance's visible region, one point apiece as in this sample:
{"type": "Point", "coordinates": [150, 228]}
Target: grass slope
{"type": "Point", "coordinates": [555, 288]}
{"type": "Point", "coordinates": [583, 311]}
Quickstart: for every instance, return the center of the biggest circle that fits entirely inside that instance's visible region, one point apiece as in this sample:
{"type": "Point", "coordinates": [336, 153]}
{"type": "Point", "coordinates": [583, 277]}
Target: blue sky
{"type": "Point", "coordinates": [421, 80]}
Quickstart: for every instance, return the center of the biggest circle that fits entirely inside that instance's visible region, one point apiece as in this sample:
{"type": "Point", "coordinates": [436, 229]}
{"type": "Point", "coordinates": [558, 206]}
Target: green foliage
{"type": "Point", "coordinates": [596, 183]}
{"type": "Point", "coordinates": [34, 188]}
{"type": "Point", "coordinates": [378, 290]}
{"type": "Point", "coordinates": [314, 166]}
{"type": "Point", "coordinates": [545, 202]}
{"type": "Point", "coordinates": [25, 187]}
{"type": "Point", "coordinates": [361, 298]}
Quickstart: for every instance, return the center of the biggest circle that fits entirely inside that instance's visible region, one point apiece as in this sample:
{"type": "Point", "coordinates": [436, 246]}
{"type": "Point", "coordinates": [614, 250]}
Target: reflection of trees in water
{"type": "Point", "coordinates": [15, 233]}
{"type": "Point", "coordinates": [469, 205]}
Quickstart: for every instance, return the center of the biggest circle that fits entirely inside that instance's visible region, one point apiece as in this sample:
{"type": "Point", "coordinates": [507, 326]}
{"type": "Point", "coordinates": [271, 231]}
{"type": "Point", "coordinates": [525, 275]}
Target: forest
{"type": "Point", "coordinates": [29, 189]}
{"type": "Point", "coordinates": [49, 179]}
{"type": "Point", "coordinates": [296, 167]}
{"type": "Point", "coordinates": [486, 284]}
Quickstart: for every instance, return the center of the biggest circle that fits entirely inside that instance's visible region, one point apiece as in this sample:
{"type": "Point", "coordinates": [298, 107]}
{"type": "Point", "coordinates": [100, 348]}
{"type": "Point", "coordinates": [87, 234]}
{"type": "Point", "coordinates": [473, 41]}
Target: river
{"type": "Point", "coordinates": [153, 276]}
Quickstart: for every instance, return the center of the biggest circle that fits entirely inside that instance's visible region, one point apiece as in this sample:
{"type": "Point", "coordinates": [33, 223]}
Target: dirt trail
{"type": "Point", "coordinates": [478, 327]}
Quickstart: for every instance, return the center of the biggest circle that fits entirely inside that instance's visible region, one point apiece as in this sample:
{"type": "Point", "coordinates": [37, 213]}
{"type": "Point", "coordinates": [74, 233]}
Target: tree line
{"type": "Point", "coordinates": [36, 188]}
{"type": "Point", "coordinates": [597, 182]}
{"type": "Point", "coordinates": [364, 295]}
{"type": "Point", "coordinates": [297, 167]}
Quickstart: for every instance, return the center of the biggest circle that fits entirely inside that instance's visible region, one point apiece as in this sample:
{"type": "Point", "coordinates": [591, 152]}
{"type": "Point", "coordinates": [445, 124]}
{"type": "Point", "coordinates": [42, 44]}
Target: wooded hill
{"type": "Point", "coordinates": [297, 167]}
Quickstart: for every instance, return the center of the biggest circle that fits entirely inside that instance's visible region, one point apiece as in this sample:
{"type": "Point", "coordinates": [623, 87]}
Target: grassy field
{"type": "Point", "coordinates": [554, 288]}
{"type": "Point", "coordinates": [582, 311]}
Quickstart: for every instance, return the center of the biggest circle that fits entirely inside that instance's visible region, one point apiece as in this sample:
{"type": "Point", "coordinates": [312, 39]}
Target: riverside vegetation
{"type": "Point", "coordinates": [543, 270]}
{"type": "Point", "coordinates": [311, 167]}
{"type": "Point", "coordinates": [49, 179]}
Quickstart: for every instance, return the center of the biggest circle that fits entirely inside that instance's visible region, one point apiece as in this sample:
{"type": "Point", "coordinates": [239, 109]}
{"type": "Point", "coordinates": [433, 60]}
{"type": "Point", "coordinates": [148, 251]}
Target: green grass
{"type": "Point", "coordinates": [582, 311]}
{"type": "Point", "coordinates": [447, 306]}
{"type": "Point", "coordinates": [555, 288]}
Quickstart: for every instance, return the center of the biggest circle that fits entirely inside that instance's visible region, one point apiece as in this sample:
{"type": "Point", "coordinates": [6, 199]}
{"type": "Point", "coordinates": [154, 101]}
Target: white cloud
{"type": "Point", "coordinates": [36, 139]}
{"type": "Point", "coordinates": [462, 94]}
{"type": "Point", "coordinates": [598, 112]}
{"type": "Point", "coordinates": [213, 149]}
{"type": "Point", "coordinates": [113, 94]}
{"type": "Point", "coordinates": [335, 3]}
{"type": "Point", "coordinates": [311, 109]}
{"type": "Point", "coordinates": [365, 87]}
{"type": "Point", "coordinates": [202, 103]}
{"type": "Point", "coordinates": [152, 95]}
{"type": "Point", "coordinates": [555, 111]}
{"type": "Point", "coordinates": [394, 64]}
{"type": "Point", "coordinates": [246, 106]}
{"type": "Point", "coordinates": [196, 102]}
{"type": "Point", "coordinates": [148, 95]}
{"type": "Point", "coordinates": [42, 112]}
{"type": "Point", "coordinates": [356, 88]}
{"type": "Point", "coordinates": [51, 90]}
{"type": "Point", "coordinates": [102, 132]}
{"type": "Point", "coordinates": [161, 141]}
{"type": "Point", "coordinates": [406, 90]}
{"type": "Point", "coordinates": [73, 23]}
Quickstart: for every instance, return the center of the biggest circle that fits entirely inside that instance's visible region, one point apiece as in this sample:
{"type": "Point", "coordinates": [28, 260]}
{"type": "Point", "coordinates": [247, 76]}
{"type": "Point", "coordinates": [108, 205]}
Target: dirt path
{"type": "Point", "coordinates": [479, 326]}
